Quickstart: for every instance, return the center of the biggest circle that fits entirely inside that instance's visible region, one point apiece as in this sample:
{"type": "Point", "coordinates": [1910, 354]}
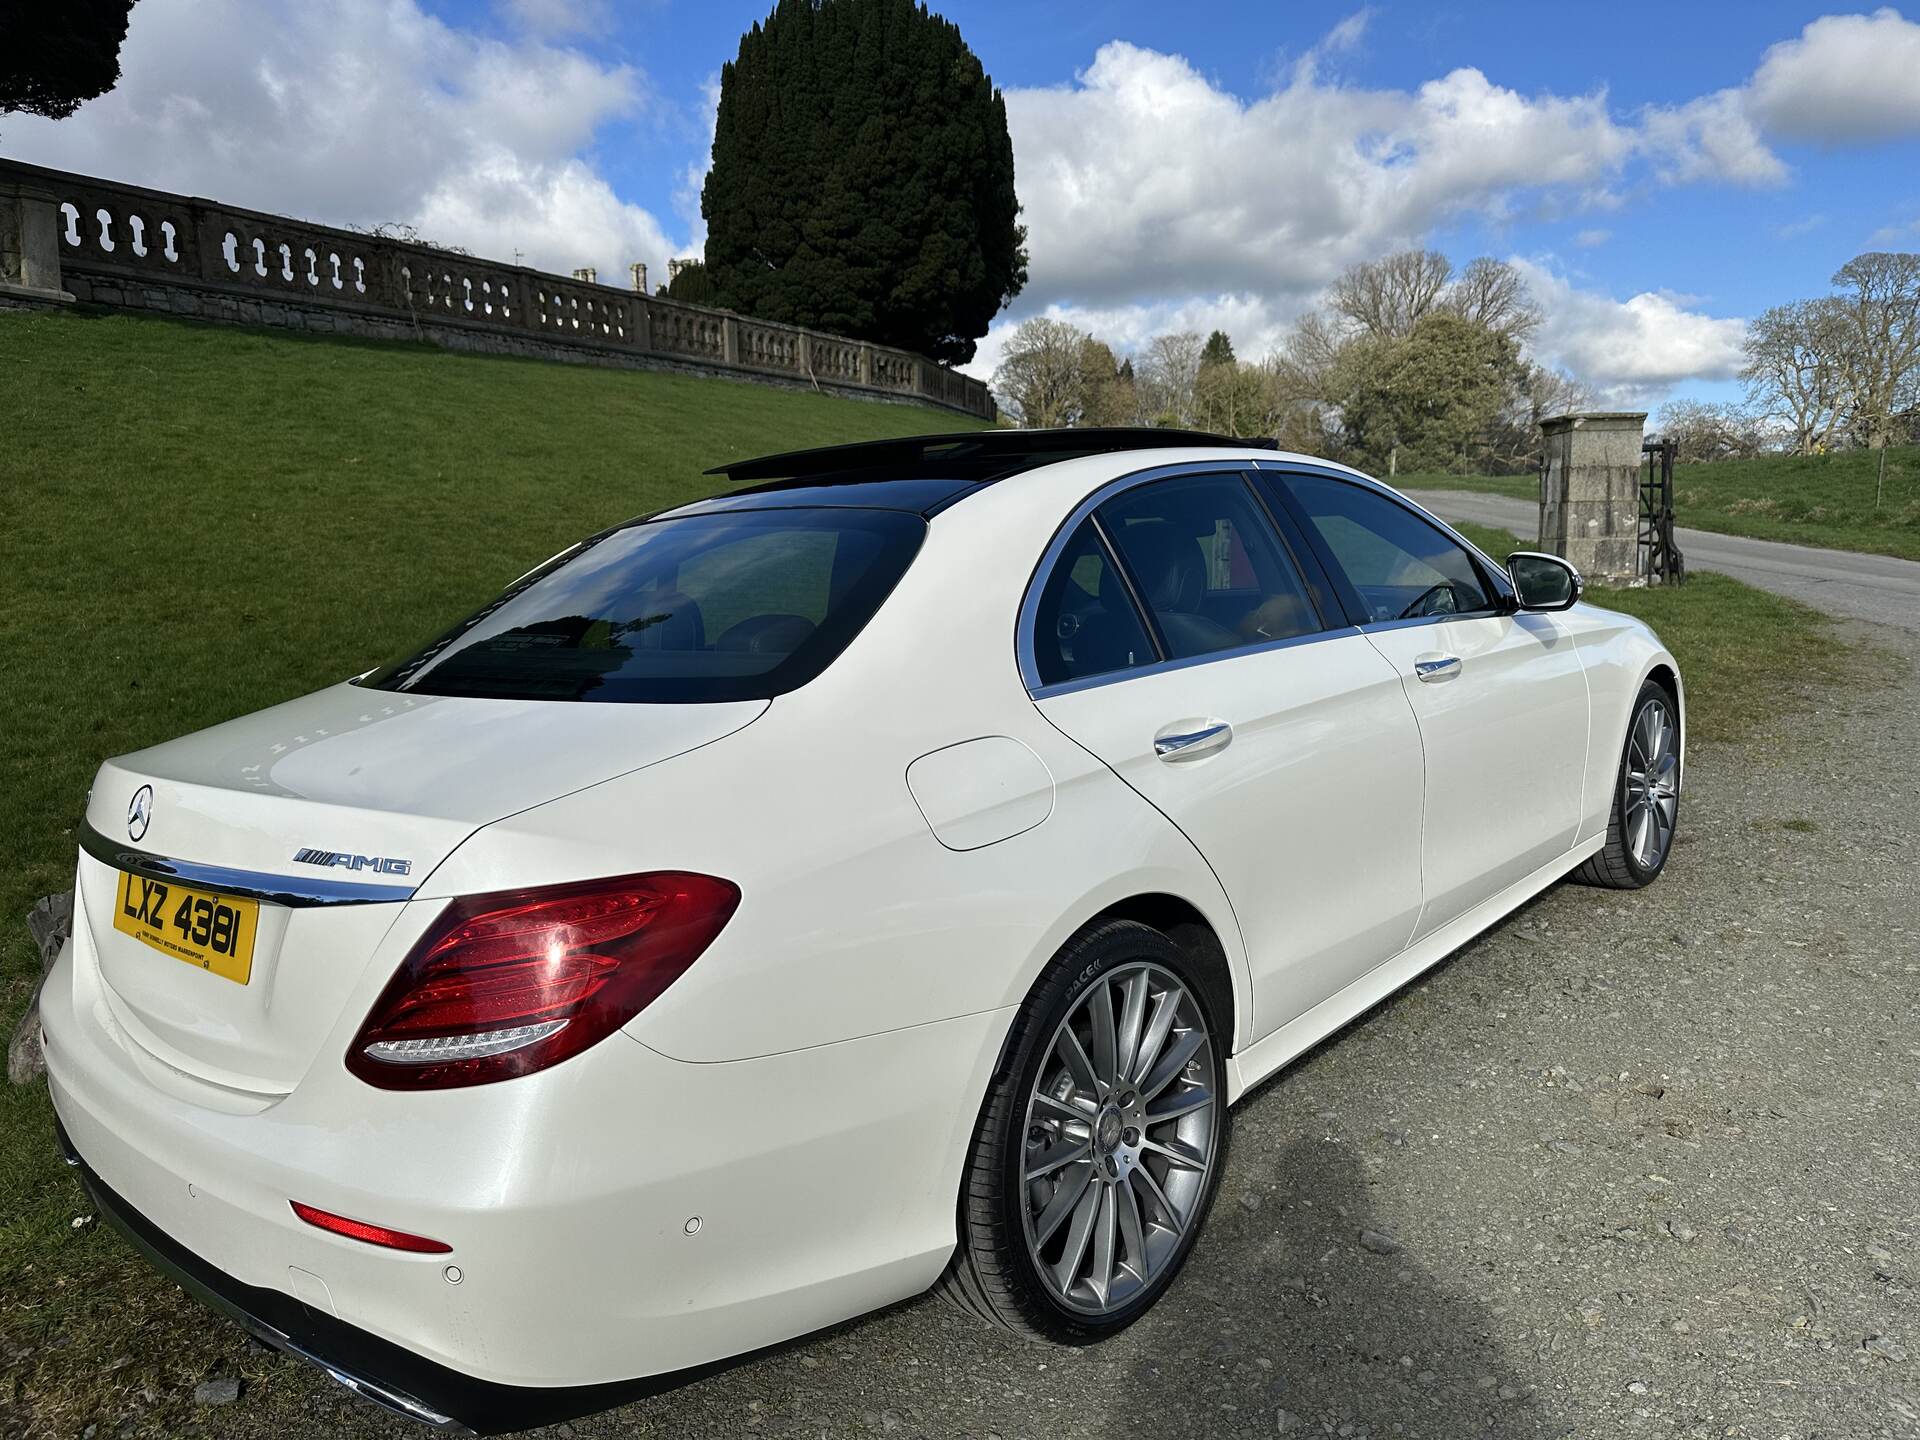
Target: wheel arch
{"type": "Point", "coordinates": [1183, 921]}
{"type": "Point", "coordinates": [1664, 673]}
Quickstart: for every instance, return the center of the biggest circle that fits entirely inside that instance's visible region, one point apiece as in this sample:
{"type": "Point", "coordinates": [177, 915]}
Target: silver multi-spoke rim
{"type": "Point", "coordinates": [1119, 1141]}
{"type": "Point", "coordinates": [1653, 785]}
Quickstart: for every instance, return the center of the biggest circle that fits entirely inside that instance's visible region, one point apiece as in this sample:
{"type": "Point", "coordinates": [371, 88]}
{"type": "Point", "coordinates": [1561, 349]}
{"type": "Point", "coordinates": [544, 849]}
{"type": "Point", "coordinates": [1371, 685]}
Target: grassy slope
{"type": "Point", "coordinates": [1808, 500]}
{"type": "Point", "coordinates": [197, 522]}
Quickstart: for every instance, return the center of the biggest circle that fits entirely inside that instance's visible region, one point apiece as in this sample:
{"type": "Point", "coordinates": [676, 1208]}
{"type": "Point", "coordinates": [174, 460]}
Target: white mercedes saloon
{"type": "Point", "coordinates": [883, 875]}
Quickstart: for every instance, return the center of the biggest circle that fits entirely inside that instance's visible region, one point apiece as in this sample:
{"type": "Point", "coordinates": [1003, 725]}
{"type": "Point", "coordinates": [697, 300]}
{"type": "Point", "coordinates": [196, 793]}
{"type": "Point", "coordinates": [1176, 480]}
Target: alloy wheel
{"type": "Point", "coordinates": [1653, 785]}
{"type": "Point", "coordinates": [1122, 1129]}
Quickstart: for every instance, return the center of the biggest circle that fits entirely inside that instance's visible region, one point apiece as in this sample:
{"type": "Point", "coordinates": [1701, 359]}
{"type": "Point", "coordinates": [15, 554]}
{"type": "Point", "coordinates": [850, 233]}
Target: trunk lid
{"type": "Point", "coordinates": [353, 794]}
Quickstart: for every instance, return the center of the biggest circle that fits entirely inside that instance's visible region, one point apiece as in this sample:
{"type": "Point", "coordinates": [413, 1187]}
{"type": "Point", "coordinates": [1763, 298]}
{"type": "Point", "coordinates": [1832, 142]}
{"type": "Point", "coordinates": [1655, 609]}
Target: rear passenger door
{"type": "Point", "coordinates": [1187, 638]}
{"type": "Point", "coordinates": [1501, 697]}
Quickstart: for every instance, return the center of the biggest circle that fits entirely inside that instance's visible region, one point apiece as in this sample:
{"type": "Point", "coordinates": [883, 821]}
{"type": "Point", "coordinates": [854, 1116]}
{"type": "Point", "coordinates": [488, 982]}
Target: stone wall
{"type": "Point", "coordinates": [67, 238]}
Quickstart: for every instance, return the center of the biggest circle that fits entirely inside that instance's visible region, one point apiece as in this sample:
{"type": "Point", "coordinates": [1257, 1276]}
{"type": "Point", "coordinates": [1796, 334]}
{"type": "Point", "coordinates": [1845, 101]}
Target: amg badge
{"type": "Point", "coordinates": [378, 864]}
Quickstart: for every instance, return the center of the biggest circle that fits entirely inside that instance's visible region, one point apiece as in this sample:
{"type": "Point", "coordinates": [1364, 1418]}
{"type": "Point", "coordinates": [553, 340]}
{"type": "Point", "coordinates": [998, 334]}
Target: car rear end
{"type": "Point", "coordinates": [394, 1129]}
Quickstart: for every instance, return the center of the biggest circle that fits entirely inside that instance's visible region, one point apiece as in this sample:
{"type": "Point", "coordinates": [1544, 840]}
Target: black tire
{"type": "Point", "coordinates": [993, 1274]}
{"type": "Point", "coordinates": [1615, 866]}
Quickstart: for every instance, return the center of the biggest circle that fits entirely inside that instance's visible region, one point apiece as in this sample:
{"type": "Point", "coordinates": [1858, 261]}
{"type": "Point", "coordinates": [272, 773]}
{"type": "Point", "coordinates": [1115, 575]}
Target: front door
{"type": "Point", "coordinates": [1501, 697]}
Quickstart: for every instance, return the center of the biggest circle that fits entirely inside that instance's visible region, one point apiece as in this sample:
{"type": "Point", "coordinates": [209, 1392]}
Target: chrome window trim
{"type": "Point", "coordinates": [1375, 627]}
{"type": "Point", "coordinates": [1187, 662]}
{"type": "Point", "coordinates": [1036, 582]}
{"type": "Point", "coordinates": [295, 891]}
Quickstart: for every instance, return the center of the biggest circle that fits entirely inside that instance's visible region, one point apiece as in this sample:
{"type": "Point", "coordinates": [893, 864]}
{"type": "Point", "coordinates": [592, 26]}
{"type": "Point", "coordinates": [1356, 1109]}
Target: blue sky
{"type": "Point", "coordinates": [1661, 173]}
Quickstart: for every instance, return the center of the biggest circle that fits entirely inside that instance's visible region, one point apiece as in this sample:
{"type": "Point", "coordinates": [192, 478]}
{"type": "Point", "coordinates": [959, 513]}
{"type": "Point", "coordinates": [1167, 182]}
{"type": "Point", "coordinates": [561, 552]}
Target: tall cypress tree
{"type": "Point", "coordinates": [862, 178]}
{"type": "Point", "coordinates": [55, 57]}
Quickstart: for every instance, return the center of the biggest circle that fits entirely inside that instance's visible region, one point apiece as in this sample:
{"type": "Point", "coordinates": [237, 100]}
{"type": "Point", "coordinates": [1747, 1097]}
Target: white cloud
{"type": "Point", "coordinates": [1157, 200]}
{"type": "Point", "coordinates": [1845, 78]}
{"type": "Point", "coordinates": [1711, 138]}
{"type": "Point", "coordinates": [1633, 349]}
{"type": "Point", "coordinates": [1348, 33]}
{"type": "Point", "coordinates": [361, 112]}
{"type": "Point", "coordinates": [552, 18]}
{"type": "Point", "coordinates": [1142, 176]}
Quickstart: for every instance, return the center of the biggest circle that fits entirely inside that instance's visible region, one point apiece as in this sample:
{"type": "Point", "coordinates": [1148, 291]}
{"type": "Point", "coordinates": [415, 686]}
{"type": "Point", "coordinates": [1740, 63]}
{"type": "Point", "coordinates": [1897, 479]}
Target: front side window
{"type": "Point", "coordinates": [742, 605]}
{"type": "Point", "coordinates": [1208, 564]}
{"type": "Point", "coordinates": [1402, 567]}
{"type": "Point", "coordinates": [1085, 623]}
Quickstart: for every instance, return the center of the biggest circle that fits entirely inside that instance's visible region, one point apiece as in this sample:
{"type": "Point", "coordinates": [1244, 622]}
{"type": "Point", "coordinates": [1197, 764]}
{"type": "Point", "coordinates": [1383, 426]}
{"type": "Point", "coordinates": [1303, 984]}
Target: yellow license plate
{"type": "Point", "coordinates": [214, 932]}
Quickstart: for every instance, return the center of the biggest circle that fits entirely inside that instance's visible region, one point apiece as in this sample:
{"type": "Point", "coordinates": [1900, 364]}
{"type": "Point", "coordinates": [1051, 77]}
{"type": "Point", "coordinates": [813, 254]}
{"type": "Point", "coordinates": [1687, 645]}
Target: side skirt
{"type": "Point", "coordinates": [1264, 1056]}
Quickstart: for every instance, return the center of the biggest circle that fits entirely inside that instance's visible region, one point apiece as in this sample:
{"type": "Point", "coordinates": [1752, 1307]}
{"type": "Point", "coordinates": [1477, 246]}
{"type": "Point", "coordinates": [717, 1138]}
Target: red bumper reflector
{"type": "Point", "coordinates": [370, 1234]}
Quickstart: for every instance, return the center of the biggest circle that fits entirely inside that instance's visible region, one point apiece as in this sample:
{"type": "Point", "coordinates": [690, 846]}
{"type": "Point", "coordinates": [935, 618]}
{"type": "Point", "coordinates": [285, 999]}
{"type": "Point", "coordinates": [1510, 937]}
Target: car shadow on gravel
{"type": "Point", "coordinates": [1297, 1316]}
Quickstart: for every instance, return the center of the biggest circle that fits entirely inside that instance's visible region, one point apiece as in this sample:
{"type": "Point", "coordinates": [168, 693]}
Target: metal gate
{"type": "Point", "coordinates": [1660, 561]}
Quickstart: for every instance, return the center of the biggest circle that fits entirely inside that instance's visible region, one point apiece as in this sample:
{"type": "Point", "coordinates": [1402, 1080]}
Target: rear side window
{"type": "Point", "coordinates": [1402, 567]}
{"type": "Point", "coordinates": [1208, 565]}
{"type": "Point", "coordinates": [1086, 624]}
{"type": "Point", "coordinates": [742, 605]}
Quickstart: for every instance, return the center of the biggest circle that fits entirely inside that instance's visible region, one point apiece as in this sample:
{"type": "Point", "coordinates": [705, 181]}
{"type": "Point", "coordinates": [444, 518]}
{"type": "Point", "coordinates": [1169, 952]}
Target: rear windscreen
{"type": "Point", "coordinates": [742, 605]}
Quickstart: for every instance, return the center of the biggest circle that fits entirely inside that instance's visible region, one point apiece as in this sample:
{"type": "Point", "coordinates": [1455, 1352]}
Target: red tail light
{"type": "Point", "coordinates": [507, 984]}
{"type": "Point", "coordinates": [370, 1234]}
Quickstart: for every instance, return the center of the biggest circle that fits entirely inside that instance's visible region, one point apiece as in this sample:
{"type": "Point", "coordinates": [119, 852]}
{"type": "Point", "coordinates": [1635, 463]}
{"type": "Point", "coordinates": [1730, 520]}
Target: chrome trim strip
{"type": "Point", "coordinates": [291, 890]}
{"type": "Point", "coordinates": [1175, 746]}
{"type": "Point", "coordinates": [1374, 627]}
{"type": "Point", "coordinates": [1187, 662]}
{"type": "Point", "coordinates": [1030, 602]}
{"type": "Point", "coordinates": [374, 1393]}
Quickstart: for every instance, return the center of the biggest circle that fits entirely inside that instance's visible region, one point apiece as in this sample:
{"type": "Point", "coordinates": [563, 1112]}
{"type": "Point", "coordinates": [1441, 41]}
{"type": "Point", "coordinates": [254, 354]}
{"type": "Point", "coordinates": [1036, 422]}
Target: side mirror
{"type": "Point", "coordinates": [1543, 582]}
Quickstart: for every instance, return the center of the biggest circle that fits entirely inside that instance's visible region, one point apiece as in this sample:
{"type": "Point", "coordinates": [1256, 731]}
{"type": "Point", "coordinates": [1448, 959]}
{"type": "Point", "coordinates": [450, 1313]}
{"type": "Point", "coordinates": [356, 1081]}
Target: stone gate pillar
{"type": "Point", "coordinates": [30, 246]}
{"type": "Point", "coordinates": [1590, 491]}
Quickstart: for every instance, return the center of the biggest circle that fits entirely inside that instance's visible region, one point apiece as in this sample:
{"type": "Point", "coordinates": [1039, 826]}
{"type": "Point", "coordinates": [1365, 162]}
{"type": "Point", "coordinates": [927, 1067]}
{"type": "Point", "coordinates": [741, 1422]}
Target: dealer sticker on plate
{"type": "Point", "coordinates": [214, 932]}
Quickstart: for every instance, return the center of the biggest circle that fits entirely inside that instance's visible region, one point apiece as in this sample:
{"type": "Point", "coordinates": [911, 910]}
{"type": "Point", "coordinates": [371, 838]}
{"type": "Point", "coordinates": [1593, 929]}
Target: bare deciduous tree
{"type": "Point", "coordinates": [1168, 371]}
{"type": "Point", "coordinates": [1312, 349]}
{"type": "Point", "coordinates": [1706, 430]}
{"type": "Point", "coordinates": [1492, 294]}
{"type": "Point", "coordinates": [1795, 373]}
{"type": "Point", "coordinates": [1386, 298]}
{"type": "Point", "coordinates": [1043, 377]}
{"type": "Point", "coordinates": [1879, 306]}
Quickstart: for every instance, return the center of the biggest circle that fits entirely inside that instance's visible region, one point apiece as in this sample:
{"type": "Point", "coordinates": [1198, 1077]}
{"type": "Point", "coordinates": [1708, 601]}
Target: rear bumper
{"type": "Point", "coordinates": [565, 1197]}
{"type": "Point", "coordinates": [377, 1370]}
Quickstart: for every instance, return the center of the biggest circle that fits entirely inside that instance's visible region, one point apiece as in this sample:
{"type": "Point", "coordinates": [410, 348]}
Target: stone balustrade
{"type": "Point", "coordinates": [67, 238]}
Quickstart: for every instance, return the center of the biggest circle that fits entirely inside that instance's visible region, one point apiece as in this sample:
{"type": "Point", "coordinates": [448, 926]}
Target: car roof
{"type": "Point", "coordinates": [926, 473]}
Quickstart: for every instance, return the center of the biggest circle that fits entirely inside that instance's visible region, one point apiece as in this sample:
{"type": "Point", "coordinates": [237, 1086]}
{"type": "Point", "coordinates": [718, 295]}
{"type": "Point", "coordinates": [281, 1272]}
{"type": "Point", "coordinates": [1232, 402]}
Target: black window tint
{"type": "Point", "coordinates": [1402, 566]}
{"type": "Point", "coordinates": [1208, 565]}
{"type": "Point", "coordinates": [734, 606]}
{"type": "Point", "coordinates": [1086, 624]}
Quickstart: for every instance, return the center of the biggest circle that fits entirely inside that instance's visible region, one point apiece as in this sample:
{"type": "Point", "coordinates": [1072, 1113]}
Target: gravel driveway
{"type": "Point", "coordinates": [1630, 1165]}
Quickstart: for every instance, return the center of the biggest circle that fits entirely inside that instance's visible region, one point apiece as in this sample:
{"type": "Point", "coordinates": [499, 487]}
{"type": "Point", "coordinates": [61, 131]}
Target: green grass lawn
{"type": "Point", "coordinates": [1808, 500]}
{"type": "Point", "coordinates": [196, 522]}
{"type": "Point", "coordinates": [199, 522]}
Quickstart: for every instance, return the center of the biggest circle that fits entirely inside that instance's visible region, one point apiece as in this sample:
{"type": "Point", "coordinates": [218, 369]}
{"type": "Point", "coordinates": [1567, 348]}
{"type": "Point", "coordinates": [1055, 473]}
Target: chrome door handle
{"type": "Point", "coordinates": [1174, 746]}
{"type": "Point", "coordinates": [1436, 667]}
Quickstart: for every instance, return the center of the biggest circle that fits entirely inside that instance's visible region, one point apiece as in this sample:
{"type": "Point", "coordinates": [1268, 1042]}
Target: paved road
{"type": "Point", "coordinates": [1878, 588]}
